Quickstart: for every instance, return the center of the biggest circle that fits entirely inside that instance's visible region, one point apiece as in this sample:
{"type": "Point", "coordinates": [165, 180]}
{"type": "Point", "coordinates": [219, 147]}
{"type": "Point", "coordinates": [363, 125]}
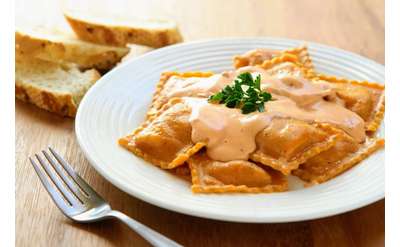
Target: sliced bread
{"type": "Point", "coordinates": [119, 31]}
{"type": "Point", "coordinates": [63, 46]}
{"type": "Point", "coordinates": [55, 87]}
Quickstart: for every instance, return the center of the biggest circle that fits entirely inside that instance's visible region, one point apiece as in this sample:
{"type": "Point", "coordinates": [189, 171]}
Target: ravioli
{"type": "Point", "coordinates": [314, 126]}
{"type": "Point", "coordinates": [367, 99]}
{"type": "Point", "coordinates": [160, 95]}
{"type": "Point", "coordinates": [164, 140]}
{"type": "Point", "coordinates": [209, 176]}
{"type": "Point", "coordinates": [260, 55]}
{"type": "Point", "coordinates": [345, 154]}
{"type": "Point", "coordinates": [175, 85]}
{"type": "Point", "coordinates": [286, 143]}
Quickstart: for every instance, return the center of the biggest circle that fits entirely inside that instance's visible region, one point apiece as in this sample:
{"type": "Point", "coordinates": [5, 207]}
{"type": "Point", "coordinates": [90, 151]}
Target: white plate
{"type": "Point", "coordinates": [117, 104]}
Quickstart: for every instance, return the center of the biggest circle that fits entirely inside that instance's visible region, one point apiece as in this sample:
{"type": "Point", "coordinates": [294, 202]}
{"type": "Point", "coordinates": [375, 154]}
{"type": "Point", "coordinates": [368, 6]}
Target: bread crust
{"type": "Point", "coordinates": [62, 104]}
{"type": "Point", "coordinates": [82, 53]}
{"type": "Point", "coordinates": [123, 35]}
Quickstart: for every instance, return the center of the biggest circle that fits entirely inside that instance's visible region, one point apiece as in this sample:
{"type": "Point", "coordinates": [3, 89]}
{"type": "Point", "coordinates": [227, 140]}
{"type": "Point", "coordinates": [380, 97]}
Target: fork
{"type": "Point", "coordinates": [79, 202]}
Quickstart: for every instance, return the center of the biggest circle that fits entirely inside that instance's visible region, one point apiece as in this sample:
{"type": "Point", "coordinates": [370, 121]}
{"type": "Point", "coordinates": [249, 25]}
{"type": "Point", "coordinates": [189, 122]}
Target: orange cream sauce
{"type": "Point", "coordinates": [197, 86]}
{"type": "Point", "coordinates": [204, 87]}
{"type": "Point", "coordinates": [257, 56]}
{"type": "Point", "coordinates": [230, 135]}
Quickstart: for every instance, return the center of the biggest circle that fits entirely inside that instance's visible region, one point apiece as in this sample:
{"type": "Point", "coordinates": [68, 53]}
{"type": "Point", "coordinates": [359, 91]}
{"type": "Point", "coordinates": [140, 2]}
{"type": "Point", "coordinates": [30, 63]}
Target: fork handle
{"type": "Point", "coordinates": [153, 237]}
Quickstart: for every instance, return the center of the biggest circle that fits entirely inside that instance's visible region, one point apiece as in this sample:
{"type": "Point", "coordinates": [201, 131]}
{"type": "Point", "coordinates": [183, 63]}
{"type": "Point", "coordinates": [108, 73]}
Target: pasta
{"type": "Point", "coordinates": [246, 130]}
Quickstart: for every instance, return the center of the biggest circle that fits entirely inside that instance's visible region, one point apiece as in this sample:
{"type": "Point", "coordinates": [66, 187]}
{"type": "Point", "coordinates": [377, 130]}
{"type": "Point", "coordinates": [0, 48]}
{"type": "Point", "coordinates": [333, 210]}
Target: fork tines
{"type": "Point", "coordinates": [67, 189]}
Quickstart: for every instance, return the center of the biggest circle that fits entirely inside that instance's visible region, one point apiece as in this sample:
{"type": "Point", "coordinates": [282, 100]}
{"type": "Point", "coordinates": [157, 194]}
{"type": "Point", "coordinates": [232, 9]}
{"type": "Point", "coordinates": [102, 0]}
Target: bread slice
{"type": "Point", "coordinates": [63, 46]}
{"type": "Point", "coordinates": [118, 31]}
{"type": "Point", "coordinates": [52, 86]}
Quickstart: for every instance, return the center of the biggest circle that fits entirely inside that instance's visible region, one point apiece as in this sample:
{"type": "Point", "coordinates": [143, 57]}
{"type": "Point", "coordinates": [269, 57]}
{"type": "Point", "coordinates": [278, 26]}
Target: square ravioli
{"type": "Point", "coordinates": [246, 130]}
{"type": "Point", "coordinates": [165, 139]}
{"type": "Point", "coordinates": [204, 84]}
{"type": "Point", "coordinates": [345, 154]}
{"type": "Point", "coordinates": [293, 142]}
{"type": "Point", "coordinates": [260, 55]}
{"type": "Point", "coordinates": [367, 99]}
{"type": "Point", "coordinates": [210, 176]}
{"type": "Point", "coordinates": [170, 80]}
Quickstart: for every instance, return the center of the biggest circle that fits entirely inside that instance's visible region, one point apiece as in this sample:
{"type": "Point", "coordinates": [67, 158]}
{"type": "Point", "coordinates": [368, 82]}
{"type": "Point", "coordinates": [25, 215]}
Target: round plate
{"type": "Point", "coordinates": [117, 104]}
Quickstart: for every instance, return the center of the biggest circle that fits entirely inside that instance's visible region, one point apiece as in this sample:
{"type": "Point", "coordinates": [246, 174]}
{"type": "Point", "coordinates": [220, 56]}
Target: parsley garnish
{"type": "Point", "coordinates": [245, 94]}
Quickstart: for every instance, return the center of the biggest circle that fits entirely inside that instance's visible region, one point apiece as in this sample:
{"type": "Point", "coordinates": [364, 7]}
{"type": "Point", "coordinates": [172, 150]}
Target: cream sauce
{"type": "Point", "coordinates": [256, 56]}
{"type": "Point", "coordinates": [280, 70]}
{"type": "Point", "coordinates": [197, 86]}
{"type": "Point", "coordinates": [204, 87]}
{"type": "Point", "coordinates": [230, 135]}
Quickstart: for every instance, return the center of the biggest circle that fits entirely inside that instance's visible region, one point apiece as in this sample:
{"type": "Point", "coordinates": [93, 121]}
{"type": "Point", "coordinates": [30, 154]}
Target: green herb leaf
{"type": "Point", "coordinates": [245, 94]}
{"type": "Point", "coordinates": [257, 82]}
{"type": "Point", "coordinates": [216, 97]}
{"type": "Point", "coordinates": [248, 107]}
{"type": "Point", "coordinates": [260, 107]}
{"type": "Point", "coordinates": [266, 96]}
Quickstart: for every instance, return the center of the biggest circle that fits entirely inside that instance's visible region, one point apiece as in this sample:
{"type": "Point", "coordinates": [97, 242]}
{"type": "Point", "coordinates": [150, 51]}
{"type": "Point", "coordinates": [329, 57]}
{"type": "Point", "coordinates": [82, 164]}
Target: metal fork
{"type": "Point", "coordinates": [79, 202]}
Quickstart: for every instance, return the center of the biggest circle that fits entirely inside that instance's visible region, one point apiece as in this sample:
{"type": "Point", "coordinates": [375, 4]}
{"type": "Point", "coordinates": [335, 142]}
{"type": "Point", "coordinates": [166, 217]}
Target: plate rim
{"type": "Point", "coordinates": [210, 215]}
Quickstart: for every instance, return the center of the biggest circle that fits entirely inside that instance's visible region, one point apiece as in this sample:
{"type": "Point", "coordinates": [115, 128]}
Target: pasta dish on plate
{"type": "Point", "coordinates": [246, 130]}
